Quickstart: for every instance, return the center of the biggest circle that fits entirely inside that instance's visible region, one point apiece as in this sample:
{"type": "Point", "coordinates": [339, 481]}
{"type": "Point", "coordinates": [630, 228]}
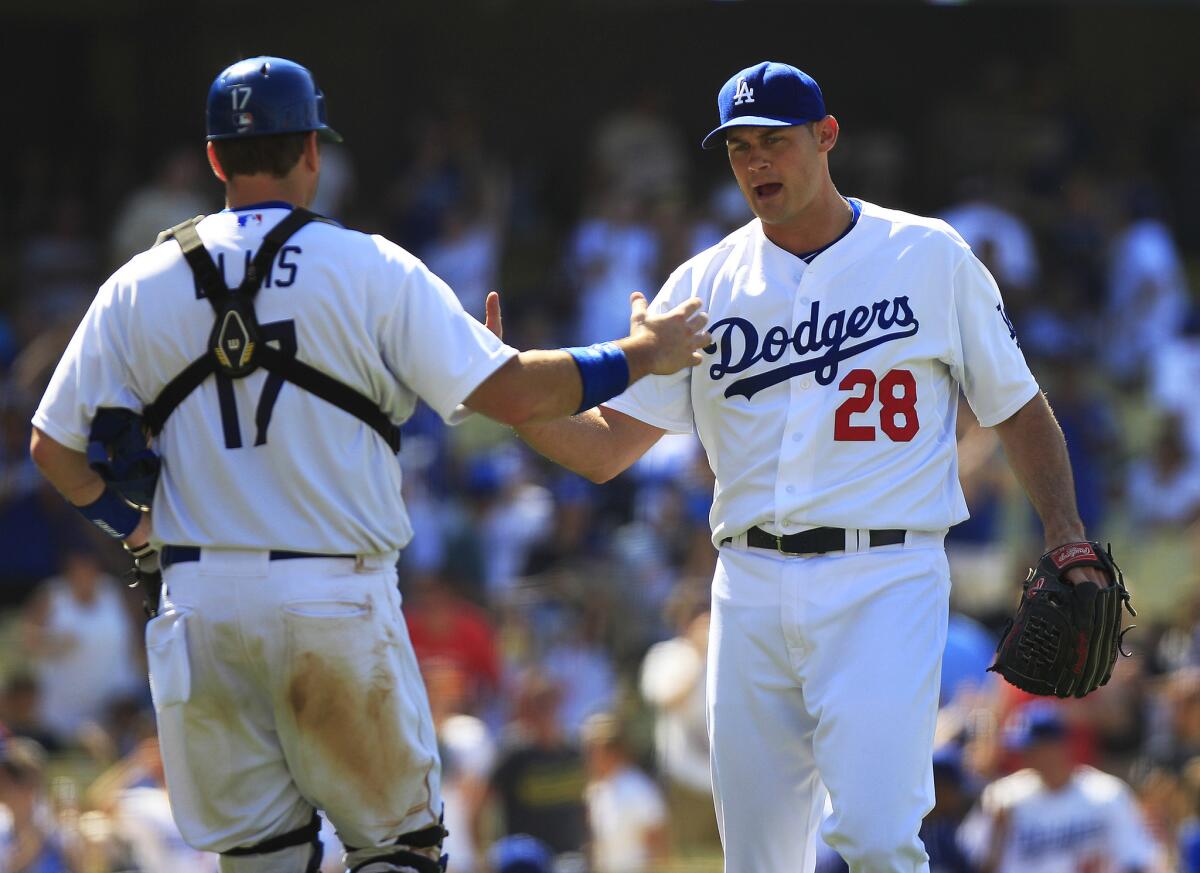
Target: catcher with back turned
{"type": "Point", "coordinates": [274, 355]}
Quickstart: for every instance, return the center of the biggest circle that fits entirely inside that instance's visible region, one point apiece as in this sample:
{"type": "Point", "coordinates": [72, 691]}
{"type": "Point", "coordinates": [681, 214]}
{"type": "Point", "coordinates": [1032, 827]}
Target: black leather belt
{"type": "Point", "coordinates": [182, 554]}
{"type": "Point", "coordinates": [817, 541]}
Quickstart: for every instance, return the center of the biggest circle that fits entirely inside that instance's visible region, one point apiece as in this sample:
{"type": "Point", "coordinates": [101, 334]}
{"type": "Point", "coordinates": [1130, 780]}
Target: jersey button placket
{"type": "Point", "coordinates": [795, 474]}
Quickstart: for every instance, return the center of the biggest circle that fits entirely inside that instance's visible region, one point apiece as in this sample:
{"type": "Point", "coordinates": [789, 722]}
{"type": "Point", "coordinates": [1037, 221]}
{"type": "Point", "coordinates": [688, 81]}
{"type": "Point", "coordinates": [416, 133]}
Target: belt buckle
{"type": "Point", "coordinates": [779, 548]}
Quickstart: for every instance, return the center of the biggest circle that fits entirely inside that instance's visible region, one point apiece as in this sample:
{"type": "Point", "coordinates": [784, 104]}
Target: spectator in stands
{"type": "Point", "coordinates": [79, 632]}
{"type": "Point", "coordinates": [510, 512]}
{"type": "Point", "coordinates": [449, 166]}
{"type": "Point", "coordinates": [173, 196]}
{"type": "Point", "coordinates": [639, 150]}
{"type": "Point", "coordinates": [672, 682]}
{"type": "Point", "coordinates": [1189, 833]}
{"type": "Point", "coordinates": [1088, 424]}
{"type": "Point", "coordinates": [466, 251]}
{"type": "Point", "coordinates": [133, 794]}
{"type": "Point", "coordinates": [1055, 815]}
{"type": "Point", "coordinates": [1163, 491]}
{"type": "Point", "coordinates": [999, 238]}
{"type": "Point", "coordinates": [30, 840]}
{"type": "Point", "coordinates": [953, 800]}
{"type": "Point", "coordinates": [1174, 737]}
{"type": "Point", "coordinates": [1175, 373]}
{"type": "Point", "coordinates": [626, 811]}
{"type": "Point", "coordinates": [445, 628]}
{"type": "Point", "coordinates": [1146, 282]}
{"type": "Point", "coordinates": [20, 711]}
{"type": "Point", "coordinates": [579, 662]}
{"type": "Point", "coordinates": [468, 755]}
{"type": "Point", "coordinates": [612, 252]}
{"type": "Point", "coordinates": [539, 778]}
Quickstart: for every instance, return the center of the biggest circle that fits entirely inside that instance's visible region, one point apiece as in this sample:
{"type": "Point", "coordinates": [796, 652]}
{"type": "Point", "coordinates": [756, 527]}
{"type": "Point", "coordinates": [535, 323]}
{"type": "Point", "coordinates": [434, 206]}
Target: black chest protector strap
{"type": "Point", "coordinates": [235, 346]}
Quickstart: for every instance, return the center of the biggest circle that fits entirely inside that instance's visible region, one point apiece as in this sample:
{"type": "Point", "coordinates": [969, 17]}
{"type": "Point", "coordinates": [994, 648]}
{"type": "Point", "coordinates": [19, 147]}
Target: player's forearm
{"type": "Point", "coordinates": [543, 385]}
{"type": "Point", "coordinates": [66, 469]}
{"type": "Point", "coordinates": [597, 444]}
{"type": "Point", "coordinates": [1037, 453]}
{"type": "Point", "coordinates": [579, 443]}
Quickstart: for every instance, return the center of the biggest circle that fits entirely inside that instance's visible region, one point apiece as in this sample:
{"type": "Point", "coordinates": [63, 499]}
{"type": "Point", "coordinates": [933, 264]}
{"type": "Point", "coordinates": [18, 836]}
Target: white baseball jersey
{"type": "Point", "coordinates": [257, 463]}
{"type": "Point", "coordinates": [830, 392]}
{"type": "Point", "coordinates": [1092, 825]}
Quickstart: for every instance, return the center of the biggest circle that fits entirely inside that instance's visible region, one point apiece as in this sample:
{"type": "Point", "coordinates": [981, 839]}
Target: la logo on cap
{"type": "Point", "coordinates": [744, 93]}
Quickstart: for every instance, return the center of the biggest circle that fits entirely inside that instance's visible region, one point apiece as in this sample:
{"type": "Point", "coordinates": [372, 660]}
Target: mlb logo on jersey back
{"type": "Point", "coordinates": [252, 218]}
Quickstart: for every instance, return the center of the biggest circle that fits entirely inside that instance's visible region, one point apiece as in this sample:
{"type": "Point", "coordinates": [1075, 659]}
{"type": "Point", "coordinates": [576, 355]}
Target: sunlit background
{"type": "Point", "coordinates": [551, 151]}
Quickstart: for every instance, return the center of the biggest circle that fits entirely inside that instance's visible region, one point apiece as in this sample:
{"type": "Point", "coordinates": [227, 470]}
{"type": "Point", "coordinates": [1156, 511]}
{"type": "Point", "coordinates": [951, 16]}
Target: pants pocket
{"type": "Point", "coordinates": [167, 656]}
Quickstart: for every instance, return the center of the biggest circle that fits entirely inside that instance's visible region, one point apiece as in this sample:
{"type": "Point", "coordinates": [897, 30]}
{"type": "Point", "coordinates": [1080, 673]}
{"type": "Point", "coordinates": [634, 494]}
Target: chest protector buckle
{"type": "Point", "coordinates": [234, 338]}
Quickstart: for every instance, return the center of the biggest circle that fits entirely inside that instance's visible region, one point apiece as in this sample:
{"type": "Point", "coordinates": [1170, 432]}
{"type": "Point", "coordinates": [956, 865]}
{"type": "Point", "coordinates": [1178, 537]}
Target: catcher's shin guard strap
{"type": "Point", "coordinates": [402, 855]}
{"type": "Point", "coordinates": [305, 834]}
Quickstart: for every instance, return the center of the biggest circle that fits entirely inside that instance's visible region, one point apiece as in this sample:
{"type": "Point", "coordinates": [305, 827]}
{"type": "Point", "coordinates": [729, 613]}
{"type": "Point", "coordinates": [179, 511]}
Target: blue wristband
{"type": "Point", "coordinates": [603, 371]}
{"type": "Point", "coordinates": [112, 514]}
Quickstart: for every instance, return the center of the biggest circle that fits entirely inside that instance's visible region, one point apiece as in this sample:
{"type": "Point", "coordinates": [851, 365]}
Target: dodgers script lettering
{"type": "Point", "coordinates": [739, 346]}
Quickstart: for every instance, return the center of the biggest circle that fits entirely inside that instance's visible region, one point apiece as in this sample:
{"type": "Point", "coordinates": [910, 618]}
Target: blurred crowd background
{"type": "Point", "coordinates": [551, 151]}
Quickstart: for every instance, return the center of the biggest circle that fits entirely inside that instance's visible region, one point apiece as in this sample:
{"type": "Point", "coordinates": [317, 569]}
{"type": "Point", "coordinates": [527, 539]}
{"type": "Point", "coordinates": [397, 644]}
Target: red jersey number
{"type": "Point", "coordinates": [897, 402]}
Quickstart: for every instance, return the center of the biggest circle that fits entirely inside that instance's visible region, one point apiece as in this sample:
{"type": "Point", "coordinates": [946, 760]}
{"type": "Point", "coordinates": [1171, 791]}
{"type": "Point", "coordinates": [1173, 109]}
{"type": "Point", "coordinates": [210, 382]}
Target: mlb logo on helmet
{"type": "Point", "coordinates": [769, 94]}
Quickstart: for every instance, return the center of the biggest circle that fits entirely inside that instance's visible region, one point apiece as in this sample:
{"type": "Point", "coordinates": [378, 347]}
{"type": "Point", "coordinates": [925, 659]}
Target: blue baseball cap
{"type": "Point", "coordinates": [521, 853]}
{"type": "Point", "coordinates": [769, 94]}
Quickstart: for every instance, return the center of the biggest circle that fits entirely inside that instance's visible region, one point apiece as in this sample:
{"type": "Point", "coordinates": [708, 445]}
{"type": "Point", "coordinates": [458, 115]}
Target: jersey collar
{"type": "Point", "coordinates": [266, 204]}
{"type": "Point", "coordinates": [856, 208]}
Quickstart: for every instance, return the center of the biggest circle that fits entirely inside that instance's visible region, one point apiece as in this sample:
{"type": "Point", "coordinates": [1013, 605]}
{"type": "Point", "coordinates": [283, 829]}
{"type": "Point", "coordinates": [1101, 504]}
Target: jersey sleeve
{"type": "Point", "coordinates": [986, 358]}
{"type": "Point", "coordinates": [1133, 847]}
{"type": "Point", "coordinates": [436, 348]}
{"type": "Point", "coordinates": [663, 401]}
{"type": "Point", "coordinates": [92, 373]}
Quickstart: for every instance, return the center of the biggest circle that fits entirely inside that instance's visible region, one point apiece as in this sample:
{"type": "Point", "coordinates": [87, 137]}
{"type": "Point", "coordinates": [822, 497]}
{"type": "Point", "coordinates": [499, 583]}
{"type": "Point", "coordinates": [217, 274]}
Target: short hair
{"type": "Point", "coordinates": [275, 155]}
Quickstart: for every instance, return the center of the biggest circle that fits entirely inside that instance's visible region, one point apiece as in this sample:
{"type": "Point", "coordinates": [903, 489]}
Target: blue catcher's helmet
{"type": "Point", "coordinates": [263, 96]}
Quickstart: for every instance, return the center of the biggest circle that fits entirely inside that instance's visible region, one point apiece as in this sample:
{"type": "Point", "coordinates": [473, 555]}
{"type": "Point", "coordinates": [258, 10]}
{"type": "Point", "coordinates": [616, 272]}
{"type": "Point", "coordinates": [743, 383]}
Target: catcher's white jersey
{"type": "Point", "coordinates": [1092, 825]}
{"type": "Point", "coordinates": [830, 392]}
{"type": "Point", "coordinates": [252, 464]}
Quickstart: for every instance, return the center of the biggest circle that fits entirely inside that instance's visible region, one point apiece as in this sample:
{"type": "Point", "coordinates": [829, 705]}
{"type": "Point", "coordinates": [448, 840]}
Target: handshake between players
{"type": "Point", "coordinates": [657, 344]}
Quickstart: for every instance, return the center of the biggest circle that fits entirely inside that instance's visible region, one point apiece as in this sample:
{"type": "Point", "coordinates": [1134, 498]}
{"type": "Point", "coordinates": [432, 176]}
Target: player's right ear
{"type": "Point", "coordinates": [215, 163]}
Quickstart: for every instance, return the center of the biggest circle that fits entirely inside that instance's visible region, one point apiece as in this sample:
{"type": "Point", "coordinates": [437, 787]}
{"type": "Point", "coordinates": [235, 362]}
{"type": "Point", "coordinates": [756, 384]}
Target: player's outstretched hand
{"type": "Point", "coordinates": [671, 341]}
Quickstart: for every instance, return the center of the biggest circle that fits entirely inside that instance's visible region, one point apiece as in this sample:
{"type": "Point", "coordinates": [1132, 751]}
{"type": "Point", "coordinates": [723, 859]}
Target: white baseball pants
{"type": "Point", "coordinates": [281, 686]}
{"type": "Point", "coordinates": [823, 677]}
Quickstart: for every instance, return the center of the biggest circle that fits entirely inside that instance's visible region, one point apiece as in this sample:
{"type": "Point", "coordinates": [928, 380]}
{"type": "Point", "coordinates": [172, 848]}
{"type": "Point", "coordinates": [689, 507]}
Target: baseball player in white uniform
{"type": "Point", "coordinates": [1054, 816]}
{"type": "Point", "coordinates": [282, 674]}
{"type": "Point", "coordinates": [844, 333]}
